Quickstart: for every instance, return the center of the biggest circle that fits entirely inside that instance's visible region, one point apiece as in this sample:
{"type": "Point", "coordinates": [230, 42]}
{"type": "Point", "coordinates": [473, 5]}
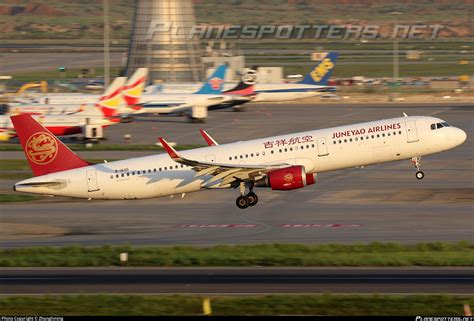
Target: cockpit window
{"type": "Point", "coordinates": [439, 125]}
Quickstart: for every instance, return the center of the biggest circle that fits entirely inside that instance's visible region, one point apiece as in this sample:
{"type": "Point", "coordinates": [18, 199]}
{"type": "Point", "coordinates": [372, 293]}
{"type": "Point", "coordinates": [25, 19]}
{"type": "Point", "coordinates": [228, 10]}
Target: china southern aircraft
{"type": "Point", "coordinates": [285, 162]}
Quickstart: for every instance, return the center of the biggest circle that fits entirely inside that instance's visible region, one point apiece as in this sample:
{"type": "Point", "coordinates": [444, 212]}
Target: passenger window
{"type": "Point", "coordinates": [246, 155]}
{"type": "Point", "coordinates": [251, 155]}
{"type": "Point", "coordinates": [345, 140]}
{"type": "Point", "coordinates": [340, 141]}
{"type": "Point", "coordinates": [312, 145]}
{"type": "Point", "coordinates": [361, 137]}
{"type": "Point", "coordinates": [356, 139]}
{"type": "Point", "coordinates": [257, 154]}
{"type": "Point", "coordinates": [111, 176]}
{"type": "Point", "coordinates": [400, 132]}
{"type": "Point", "coordinates": [271, 151]}
{"type": "Point", "coordinates": [350, 140]}
{"type": "Point", "coordinates": [241, 156]}
{"type": "Point", "coordinates": [279, 150]}
{"type": "Point", "coordinates": [230, 158]}
{"type": "Point", "coordinates": [383, 135]}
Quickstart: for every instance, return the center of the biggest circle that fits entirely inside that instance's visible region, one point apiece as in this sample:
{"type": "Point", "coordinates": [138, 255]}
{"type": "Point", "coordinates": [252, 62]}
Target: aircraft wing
{"type": "Point", "coordinates": [223, 174]}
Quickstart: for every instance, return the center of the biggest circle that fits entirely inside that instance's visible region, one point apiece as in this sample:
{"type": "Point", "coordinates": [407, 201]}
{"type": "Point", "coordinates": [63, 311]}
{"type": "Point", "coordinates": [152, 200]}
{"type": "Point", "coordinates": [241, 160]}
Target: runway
{"type": "Point", "coordinates": [236, 281]}
{"type": "Point", "coordinates": [377, 203]}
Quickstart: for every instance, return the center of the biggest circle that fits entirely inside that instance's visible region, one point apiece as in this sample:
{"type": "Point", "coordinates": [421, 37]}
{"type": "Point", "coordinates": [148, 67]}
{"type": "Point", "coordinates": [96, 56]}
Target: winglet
{"type": "Point", "coordinates": [209, 140]}
{"type": "Point", "coordinates": [170, 150]}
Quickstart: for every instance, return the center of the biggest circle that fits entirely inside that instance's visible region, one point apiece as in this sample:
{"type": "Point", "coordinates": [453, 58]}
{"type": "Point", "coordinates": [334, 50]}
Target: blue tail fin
{"type": "Point", "coordinates": [215, 82]}
{"type": "Point", "coordinates": [320, 73]}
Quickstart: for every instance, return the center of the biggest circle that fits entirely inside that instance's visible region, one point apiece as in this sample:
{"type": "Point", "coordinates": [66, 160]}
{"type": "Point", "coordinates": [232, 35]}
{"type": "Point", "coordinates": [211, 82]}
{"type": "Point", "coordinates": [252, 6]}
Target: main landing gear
{"type": "Point", "coordinates": [246, 200]}
{"type": "Point", "coordinates": [416, 162]}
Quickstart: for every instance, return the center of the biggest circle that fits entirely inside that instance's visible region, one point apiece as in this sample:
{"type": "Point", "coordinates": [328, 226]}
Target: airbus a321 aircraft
{"type": "Point", "coordinates": [284, 162]}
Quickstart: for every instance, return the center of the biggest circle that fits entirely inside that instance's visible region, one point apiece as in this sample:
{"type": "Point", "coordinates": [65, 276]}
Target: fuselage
{"type": "Point", "coordinates": [265, 92]}
{"type": "Point", "coordinates": [172, 103]}
{"type": "Point", "coordinates": [62, 124]}
{"type": "Point", "coordinates": [318, 151]}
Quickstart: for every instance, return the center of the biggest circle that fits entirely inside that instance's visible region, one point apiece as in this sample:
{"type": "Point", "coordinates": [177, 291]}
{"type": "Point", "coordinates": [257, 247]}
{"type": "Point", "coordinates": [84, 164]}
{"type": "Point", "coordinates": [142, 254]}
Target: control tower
{"type": "Point", "coordinates": [161, 42]}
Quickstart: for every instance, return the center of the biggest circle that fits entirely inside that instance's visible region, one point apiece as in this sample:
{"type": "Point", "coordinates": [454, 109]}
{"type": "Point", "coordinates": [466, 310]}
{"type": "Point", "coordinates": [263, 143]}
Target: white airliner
{"type": "Point", "coordinates": [61, 104]}
{"type": "Point", "coordinates": [209, 94]}
{"type": "Point", "coordinates": [283, 162]}
{"type": "Point", "coordinates": [109, 109]}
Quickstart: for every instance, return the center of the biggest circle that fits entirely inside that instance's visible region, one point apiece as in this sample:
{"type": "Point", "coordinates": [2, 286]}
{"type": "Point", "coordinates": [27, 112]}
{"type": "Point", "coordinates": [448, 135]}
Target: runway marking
{"type": "Point", "coordinates": [217, 225]}
{"type": "Point", "coordinates": [319, 225]}
{"type": "Point", "coordinates": [355, 113]}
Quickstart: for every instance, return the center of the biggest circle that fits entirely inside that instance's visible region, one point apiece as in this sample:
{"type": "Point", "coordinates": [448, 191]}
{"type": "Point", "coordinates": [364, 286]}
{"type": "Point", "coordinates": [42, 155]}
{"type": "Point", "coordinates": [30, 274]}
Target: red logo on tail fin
{"type": "Point", "coordinates": [41, 148]}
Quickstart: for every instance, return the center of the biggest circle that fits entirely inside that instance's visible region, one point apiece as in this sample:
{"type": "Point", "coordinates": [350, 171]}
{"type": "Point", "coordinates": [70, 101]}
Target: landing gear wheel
{"type": "Point", "coordinates": [242, 202]}
{"type": "Point", "coordinates": [252, 199]}
{"type": "Point", "coordinates": [419, 175]}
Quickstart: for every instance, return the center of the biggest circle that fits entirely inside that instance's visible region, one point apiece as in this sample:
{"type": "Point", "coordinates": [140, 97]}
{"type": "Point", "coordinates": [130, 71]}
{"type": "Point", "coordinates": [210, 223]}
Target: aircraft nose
{"type": "Point", "coordinates": [462, 135]}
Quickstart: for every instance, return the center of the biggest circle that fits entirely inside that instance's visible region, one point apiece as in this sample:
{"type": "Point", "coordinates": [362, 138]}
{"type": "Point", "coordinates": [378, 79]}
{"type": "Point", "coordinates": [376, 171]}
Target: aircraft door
{"type": "Point", "coordinates": [322, 147]}
{"type": "Point", "coordinates": [412, 135]}
{"type": "Point", "coordinates": [210, 158]}
{"type": "Point", "coordinates": [92, 184]}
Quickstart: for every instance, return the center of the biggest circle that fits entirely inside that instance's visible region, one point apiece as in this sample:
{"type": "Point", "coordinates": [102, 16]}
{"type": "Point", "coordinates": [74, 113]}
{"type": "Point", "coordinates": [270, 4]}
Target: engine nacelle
{"type": "Point", "coordinates": [286, 179]}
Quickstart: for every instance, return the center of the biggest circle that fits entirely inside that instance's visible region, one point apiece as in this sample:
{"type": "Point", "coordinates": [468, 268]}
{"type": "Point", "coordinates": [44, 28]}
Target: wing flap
{"type": "Point", "coordinates": [228, 173]}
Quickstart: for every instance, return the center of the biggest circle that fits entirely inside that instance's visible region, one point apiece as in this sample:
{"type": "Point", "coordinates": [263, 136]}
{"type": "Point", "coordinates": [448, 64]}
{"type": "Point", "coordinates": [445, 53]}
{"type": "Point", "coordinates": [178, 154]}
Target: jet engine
{"type": "Point", "coordinates": [288, 178]}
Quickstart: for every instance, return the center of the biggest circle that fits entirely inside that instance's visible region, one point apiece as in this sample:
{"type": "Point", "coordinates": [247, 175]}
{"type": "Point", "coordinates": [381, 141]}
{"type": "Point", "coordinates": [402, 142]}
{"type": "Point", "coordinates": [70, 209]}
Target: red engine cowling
{"type": "Point", "coordinates": [286, 179]}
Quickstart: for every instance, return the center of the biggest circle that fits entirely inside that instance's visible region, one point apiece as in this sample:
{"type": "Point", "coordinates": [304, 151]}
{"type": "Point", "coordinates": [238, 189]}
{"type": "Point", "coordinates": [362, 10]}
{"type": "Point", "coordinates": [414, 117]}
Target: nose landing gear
{"type": "Point", "coordinates": [416, 162]}
{"type": "Point", "coordinates": [246, 200]}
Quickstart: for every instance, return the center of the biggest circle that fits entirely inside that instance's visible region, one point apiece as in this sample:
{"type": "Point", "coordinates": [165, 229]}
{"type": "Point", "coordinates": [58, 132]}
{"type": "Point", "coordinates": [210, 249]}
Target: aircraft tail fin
{"type": "Point", "coordinates": [246, 86]}
{"type": "Point", "coordinates": [111, 100]}
{"type": "Point", "coordinates": [321, 73]}
{"type": "Point", "coordinates": [45, 153]}
{"type": "Point", "coordinates": [215, 82]}
{"type": "Point", "coordinates": [134, 87]}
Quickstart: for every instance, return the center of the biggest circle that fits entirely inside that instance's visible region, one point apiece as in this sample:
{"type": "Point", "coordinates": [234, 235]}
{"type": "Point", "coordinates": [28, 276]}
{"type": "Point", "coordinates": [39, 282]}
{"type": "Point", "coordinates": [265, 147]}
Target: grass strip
{"type": "Point", "coordinates": [359, 254]}
{"type": "Point", "coordinates": [147, 305]}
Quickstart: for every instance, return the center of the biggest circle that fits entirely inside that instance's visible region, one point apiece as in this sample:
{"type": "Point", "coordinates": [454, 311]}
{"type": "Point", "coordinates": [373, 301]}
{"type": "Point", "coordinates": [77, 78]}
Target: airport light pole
{"type": "Point", "coordinates": [106, 44]}
{"type": "Point", "coordinates": [396, 68]}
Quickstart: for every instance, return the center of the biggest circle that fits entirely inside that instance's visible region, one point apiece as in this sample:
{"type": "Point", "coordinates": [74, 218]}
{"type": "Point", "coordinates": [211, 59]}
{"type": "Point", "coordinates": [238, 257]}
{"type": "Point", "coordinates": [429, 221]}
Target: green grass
{"type": "Point", "coordinates": [372, 254]}
{"type": "Point", "coordinates": [7, 198]}
{"type": "Point", "coordinates": [147, 305]}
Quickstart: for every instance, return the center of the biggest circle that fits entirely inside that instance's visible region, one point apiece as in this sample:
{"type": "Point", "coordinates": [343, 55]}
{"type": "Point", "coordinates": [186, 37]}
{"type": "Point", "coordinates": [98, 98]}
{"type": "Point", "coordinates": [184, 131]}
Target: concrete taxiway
{"type": "Point", "coordinates": [377, 203]}
{"type": "Point", "coordinates": [236, 281]}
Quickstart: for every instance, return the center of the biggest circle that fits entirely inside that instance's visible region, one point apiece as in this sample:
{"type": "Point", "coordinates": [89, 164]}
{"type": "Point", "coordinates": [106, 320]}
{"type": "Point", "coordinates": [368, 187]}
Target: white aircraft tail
{"type": "Point", "coordinates": [135, 86]}
{"type": "Point", "coordinates": [111, 100]}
